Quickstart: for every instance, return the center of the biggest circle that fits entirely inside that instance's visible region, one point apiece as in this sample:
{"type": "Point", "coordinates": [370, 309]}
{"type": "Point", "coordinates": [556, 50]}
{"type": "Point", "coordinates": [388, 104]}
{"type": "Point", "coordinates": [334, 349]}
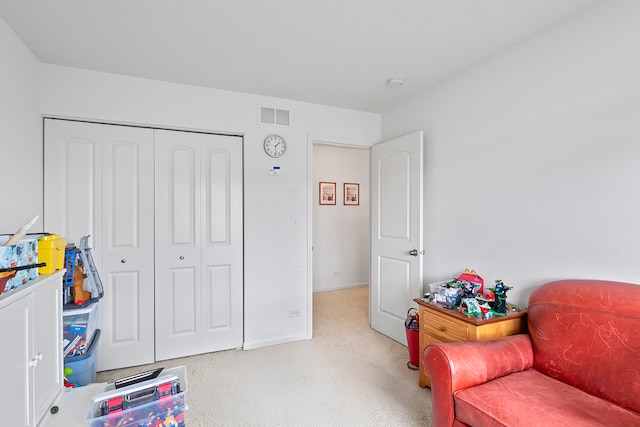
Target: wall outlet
{"type": "Point", "coordinates": [294, 312]}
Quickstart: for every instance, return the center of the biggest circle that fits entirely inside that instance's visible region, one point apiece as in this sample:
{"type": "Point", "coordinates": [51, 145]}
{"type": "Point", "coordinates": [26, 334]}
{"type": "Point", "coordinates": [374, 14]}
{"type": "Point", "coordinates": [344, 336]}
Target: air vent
{"type": "Point", "coordinates": [273, 116]}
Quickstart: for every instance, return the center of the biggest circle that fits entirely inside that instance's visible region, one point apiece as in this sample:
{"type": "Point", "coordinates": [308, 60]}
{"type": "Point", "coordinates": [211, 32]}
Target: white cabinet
{"type": "Point", "coordinates": [100, 180]}
{"type": "Point", "coordinates": [31, 337]}
{"type": "Point", "coordinates": [199, 265]}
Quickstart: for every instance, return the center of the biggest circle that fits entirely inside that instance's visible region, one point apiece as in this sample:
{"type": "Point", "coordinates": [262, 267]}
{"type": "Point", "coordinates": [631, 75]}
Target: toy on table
{"type": "Point", "coordinates": [499, 305]}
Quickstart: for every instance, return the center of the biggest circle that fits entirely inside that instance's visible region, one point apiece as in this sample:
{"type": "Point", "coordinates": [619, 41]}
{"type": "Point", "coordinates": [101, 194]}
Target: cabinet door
{"type": "Point", "coordinates": [16, 391]}
{"type": "Point", "coordinates": [99, 182]}
{"type": "Point", "coordinates": [198, 243]}
{"type": "Point", "coordinates": [47, 343]}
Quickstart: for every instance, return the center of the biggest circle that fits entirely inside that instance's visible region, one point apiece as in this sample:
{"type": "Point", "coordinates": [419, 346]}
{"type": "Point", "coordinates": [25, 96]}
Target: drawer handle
{"type": "Point", "coordinates": [442, 328]}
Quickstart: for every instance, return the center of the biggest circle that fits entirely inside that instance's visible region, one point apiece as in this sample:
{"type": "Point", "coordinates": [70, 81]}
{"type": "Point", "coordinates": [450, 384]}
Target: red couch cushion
{"type": "Point", "coordinates": [586, 333]}
{"type": "Point", "coordinates": [530, 398]}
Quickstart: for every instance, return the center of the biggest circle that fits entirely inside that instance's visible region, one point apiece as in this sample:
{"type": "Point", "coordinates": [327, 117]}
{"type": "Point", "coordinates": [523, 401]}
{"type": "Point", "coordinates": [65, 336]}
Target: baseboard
{"type": "Point", "coordinates": [339, 287]}
{"type": "Point", "coordinates": [267, 343]}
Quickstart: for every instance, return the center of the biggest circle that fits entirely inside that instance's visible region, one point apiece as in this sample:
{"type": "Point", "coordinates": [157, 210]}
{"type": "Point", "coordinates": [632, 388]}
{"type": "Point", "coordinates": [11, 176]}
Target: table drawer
{"type": "Point", "coordinates": [444, 327]}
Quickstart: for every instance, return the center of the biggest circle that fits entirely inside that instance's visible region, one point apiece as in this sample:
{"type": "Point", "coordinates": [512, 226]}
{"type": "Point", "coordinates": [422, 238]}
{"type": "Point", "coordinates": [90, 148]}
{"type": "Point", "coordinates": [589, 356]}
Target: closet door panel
{"type": "Point", "coordinates": [183, 311]}
{"type": "Point", "coordinates": [181, 176]}
{"type": "Point", "coordinates": [222, 249]}
{"type": "Point", "coordinates": [218, 183]}
{"type": "Point", "coordinates": [125, 300]}
{"type": "Point", "coordinates": [178, 202]}
{"type": "Point", "coordinates": [99, 182]}
{"type": "Point", "coordinates": [70, 173]}
{"type": "Point", "coordinates": [128, 243]}
{"type": "Point", "coordinates": [199, 226]}
{"type": "Point", "coordinates": [217, 293]}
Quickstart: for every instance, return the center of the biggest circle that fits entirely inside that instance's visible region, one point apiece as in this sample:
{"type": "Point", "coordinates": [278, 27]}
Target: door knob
{"type": "Point", "coordinates": [415, 252]}
{"type": "Point", "coordinates": [181, 257]}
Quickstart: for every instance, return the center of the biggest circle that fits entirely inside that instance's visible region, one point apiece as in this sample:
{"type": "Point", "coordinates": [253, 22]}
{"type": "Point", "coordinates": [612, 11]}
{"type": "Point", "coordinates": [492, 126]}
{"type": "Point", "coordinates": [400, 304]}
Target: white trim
{"type": "Point", "coordinates": [347, 286]}
{"type": "Point", "coordinates": [310, 141]}
{"type": "Point", "coordinates": [141, 125]}
{"type": "Point", "coordinates": [276, 341]}
{"type": "Point", "coordinates": [341, 142]}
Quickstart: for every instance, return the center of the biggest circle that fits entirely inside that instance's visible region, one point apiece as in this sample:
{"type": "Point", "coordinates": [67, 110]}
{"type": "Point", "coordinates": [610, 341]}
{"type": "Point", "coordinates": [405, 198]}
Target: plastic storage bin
{"type": "Point", "coordinates": [78, 326]}
{"type": "Point", "coordinates": [51, 251]}
{"type": "Point", "coordinates": [84, 366]}
{"type": "Point", "coordinates": [156, 402]}
{"type": "Point", "coordinates": [443, 294]}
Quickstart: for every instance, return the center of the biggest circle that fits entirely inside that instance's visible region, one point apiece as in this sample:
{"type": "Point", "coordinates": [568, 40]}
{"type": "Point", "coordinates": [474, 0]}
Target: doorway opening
{"type": "Point", "coordinates": [341, 243]}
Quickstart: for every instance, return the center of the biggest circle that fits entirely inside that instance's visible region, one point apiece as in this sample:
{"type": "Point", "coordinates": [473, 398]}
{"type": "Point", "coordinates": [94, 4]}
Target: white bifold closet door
{"type": "Point", "coordinates": [99, 182]}
{"type": "Point", "coordinates": [167, 245]}
{"type": "Point", "coordinates": [198, 239]}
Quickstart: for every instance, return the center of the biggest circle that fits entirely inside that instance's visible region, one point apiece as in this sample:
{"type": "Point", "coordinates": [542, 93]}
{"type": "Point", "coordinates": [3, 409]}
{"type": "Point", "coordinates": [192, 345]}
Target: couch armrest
{"type": "Point", "coordinates": [458, 365]}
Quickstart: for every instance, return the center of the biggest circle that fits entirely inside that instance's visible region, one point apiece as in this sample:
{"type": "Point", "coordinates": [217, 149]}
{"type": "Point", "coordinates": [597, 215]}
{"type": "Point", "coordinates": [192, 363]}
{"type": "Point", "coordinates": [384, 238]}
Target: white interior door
{"type": "Point", "coordinates": [199, 263]}
{"type": "Point", "coordinates": [396, 232]}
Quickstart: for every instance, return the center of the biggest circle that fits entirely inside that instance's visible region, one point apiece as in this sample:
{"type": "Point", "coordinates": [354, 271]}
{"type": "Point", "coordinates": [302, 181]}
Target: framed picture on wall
{"type": "Point", "coordinates": [327, 193]}
{"type": "Point", "coordinates": [351, 194]}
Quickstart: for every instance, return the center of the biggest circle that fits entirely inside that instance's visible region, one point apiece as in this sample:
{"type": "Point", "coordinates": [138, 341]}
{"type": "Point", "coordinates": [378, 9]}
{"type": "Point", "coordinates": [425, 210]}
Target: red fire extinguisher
{"type": "Point", "coordinates": [413, 338]}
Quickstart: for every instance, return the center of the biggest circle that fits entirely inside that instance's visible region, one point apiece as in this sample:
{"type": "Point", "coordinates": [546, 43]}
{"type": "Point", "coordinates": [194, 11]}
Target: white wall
{"type": "Point", "coordinates": [20, 134]}
{"type": "Point", "coordinates": [341, 242]}
{"type": "Point", "coordinates": [532, 158]}
{"type": "Point", "coordinates": [276, 255]}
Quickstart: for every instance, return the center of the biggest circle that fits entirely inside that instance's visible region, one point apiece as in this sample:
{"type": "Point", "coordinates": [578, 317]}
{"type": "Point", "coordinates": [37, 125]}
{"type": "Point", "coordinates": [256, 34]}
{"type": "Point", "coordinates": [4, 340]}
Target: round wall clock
{"type": "Point", "coordinates": [274, 145]}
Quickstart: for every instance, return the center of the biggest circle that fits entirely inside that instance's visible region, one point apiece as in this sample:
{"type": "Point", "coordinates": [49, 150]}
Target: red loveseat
{"type": "Point", "coordinates": [579, 365]}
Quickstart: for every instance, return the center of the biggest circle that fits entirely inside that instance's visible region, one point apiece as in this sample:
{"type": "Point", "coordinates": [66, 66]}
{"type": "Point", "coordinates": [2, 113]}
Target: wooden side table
{"type": "Point", "coordinates": [441, 325]}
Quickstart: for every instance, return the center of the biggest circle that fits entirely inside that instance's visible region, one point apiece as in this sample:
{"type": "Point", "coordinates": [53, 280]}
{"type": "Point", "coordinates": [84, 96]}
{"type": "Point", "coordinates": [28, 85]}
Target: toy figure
{"type": "Point", "coordinates": [499, 305]}
{"type": "Point", "coordinates": [80, 296]}
{"type": "Point", "coordinates": [468, 291]}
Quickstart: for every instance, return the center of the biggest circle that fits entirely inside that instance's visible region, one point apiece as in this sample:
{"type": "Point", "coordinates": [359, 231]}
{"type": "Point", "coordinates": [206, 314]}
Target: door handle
{"type": "Point", "coordinates": [415, 252]}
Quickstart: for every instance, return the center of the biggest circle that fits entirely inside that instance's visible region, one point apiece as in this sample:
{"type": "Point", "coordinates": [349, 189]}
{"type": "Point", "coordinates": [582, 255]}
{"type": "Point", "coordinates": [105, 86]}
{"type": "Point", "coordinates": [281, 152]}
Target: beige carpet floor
{"type": "Point", "coordinates": [347, 375]}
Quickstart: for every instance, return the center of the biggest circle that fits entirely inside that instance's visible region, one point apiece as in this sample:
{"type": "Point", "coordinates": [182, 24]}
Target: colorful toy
{"type": "Point", "coordinates": [80, 296]}
{"type": "Point", "coordinates": [499, 305]}
{"type": "Point", "coordinates": [68, 372]}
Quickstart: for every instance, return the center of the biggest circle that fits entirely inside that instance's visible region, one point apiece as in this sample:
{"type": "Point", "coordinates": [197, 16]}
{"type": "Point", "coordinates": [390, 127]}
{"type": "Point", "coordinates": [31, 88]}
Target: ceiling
{"type": "Point", "coordinates": [332, 52]}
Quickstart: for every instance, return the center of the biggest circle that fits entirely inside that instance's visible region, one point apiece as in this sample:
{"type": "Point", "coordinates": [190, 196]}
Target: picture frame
{"type": "Point", "coordinates": [327, 193]}
{"type": "Point", "coordinates": [351, 194]}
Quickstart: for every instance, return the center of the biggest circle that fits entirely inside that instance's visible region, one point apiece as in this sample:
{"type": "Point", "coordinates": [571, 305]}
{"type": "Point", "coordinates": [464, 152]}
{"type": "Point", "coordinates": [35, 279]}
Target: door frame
{"type": "Point", "coordinates": [317, 139]}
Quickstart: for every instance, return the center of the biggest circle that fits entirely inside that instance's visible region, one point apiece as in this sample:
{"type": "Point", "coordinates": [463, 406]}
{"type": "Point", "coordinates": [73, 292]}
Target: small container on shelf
{"type": "Point", "coordinates": [22, 255]}
{"type": "Point", "coordinates": [51, 251]}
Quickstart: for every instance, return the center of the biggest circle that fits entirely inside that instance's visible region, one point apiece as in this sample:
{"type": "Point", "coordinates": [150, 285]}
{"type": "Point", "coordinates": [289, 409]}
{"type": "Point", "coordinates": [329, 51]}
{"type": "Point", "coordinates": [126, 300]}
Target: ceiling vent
{"type": "Point", "coordinates": [273, 116]}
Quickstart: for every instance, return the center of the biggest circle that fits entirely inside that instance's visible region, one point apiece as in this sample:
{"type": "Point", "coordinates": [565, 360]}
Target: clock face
{"type": "Point", "coordinates": [274, 145]}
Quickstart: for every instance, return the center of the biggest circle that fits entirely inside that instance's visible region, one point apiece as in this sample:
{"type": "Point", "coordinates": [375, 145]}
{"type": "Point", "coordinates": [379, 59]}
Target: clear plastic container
{"type": "Point", "coordinates": [78, 326]}
{"type": "Point", "coordinates": [160, 401]}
